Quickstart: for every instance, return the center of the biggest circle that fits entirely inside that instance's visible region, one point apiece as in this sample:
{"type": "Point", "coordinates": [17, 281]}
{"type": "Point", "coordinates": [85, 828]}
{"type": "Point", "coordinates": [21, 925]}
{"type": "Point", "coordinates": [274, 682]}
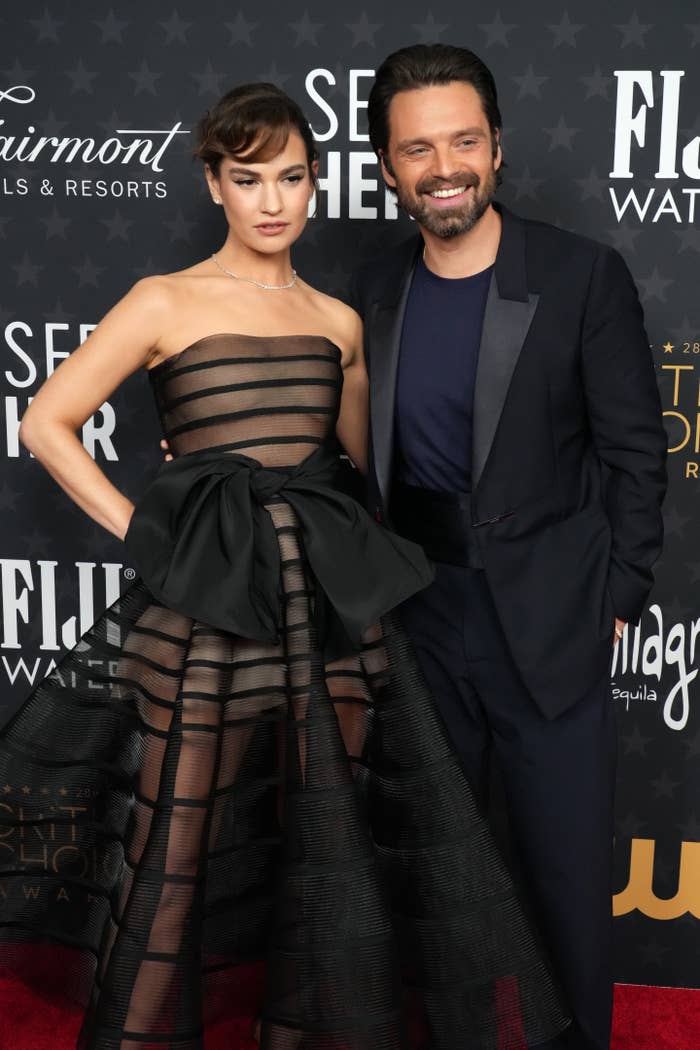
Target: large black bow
{"type": "Point", "coordinates": [205, 545]}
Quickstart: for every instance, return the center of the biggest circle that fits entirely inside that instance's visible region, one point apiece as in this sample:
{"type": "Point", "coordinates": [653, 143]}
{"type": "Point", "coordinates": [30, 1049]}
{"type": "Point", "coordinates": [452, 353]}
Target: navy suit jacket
{"type": "Point", "coordinates": [568, 444]}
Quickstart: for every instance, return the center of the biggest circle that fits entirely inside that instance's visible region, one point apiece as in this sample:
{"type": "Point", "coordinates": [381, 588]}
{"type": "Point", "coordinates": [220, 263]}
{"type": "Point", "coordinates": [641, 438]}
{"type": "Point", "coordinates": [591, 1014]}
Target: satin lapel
{"type": "Point", "coordinates": [506, 324]}
{"type": "Point", "coordinates": [383, 333]}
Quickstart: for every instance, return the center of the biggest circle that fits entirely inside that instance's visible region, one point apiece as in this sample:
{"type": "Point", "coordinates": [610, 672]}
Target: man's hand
{"type": "Point", "coordinates": [619, 624]}
{"type": "Point", "coordinates": [166, 448]}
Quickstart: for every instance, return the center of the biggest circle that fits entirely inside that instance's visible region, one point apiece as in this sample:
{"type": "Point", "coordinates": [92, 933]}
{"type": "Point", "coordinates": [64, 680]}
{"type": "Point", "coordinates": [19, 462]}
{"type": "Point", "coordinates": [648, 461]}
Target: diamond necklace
{"type": "Point", "coordinates": [258, 284]}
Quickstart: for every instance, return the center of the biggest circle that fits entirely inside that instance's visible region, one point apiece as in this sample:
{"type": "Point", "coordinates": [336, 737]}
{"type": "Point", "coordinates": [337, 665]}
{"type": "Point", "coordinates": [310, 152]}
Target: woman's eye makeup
{"type": "Point", "coordinates": [253, 182]}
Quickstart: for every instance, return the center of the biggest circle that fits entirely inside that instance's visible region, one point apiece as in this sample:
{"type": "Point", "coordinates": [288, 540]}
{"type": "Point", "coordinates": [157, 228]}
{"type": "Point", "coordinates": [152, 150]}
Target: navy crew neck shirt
{"type": "Point", "coordinates": [437, 373]}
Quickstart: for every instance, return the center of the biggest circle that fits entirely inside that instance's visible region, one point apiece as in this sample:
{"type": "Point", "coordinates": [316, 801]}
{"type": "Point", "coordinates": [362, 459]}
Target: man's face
{"type": "Point", "coordinates": [441, 157]}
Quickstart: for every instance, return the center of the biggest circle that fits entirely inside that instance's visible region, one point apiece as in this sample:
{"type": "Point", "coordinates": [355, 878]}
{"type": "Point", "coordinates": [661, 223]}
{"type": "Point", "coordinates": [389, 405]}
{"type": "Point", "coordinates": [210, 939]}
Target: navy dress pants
{"type": "Point", "coordinates": [558, 777]}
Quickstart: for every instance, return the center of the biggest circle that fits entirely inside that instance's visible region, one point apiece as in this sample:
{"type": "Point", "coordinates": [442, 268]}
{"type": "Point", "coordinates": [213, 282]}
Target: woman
{"type": "Point", "coordinates": [262, 773]}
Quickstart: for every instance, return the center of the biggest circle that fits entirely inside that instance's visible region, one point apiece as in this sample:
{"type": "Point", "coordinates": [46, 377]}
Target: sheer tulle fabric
{"type": "Point", "coordinates": [197, 801]}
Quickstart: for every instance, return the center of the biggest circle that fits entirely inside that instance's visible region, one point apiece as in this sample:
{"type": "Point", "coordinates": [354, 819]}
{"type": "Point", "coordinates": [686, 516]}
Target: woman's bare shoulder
{"type": "Point", "coordinates": [344, 323]}
{"type": "Point", "coordinates": [162, 291]}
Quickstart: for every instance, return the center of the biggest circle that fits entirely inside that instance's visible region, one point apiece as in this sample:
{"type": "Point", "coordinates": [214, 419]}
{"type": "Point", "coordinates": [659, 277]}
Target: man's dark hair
{"type": "Point", "coordinates": [427, 65]}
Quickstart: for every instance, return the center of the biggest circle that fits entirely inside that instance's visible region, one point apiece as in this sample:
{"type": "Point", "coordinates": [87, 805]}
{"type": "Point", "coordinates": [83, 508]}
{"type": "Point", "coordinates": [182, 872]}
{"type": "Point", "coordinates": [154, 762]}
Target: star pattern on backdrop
{"type": "Point", "coordinates": [592, 186]}
{"type": "Point", "coordinates": [654, 286]}
{"type": "Point", "coordinates": [111, 28]}
{"type": "Point", "coordinates": [664, 787]}
{"type": "Point", "coordinates": [113, 122]}
{"type": "Point", "coordinates": [50, 125]}
{"type": "Point", "coordinates": [118, 227]}
{"type": "Point", "coordinates": [88, 273]}
{"type": "Point", "coordinates": [59, 313]}
{"type": "Point", "coordinates": [145, 79]}
{"type": "Point", "coordinates": [524, 184]}
{"type": "Point", "coordinates": [529, 85]}
{"type": "Point", "coordinates": [179, 228]}
{"type": "Point", "coordinates": [561, 136]}
{"type": "Point", "coordinates": [692, 746]}
{"type": "Point", "coordinates": [81, 79]}
{"type": "Point", "coordinates": [46, 27]}
{"type": "Point", "coordinates": [636, 744]}
{"type": "Point", "coordinates": [19, 74]}
{"type": "Point", "coordinates": [27, 272]}
{"type": "Point", "coordinates": [55, 225]}
{"type": "Point", "coordinates": [430, 31]}
{"type": "Point", "coordinates": [241, 30]}
{"type": "Point", "coordinates": [597, 84]}
{"type": "Point", "coordinates": [565, 32]}
{"type": "Point", "coordinates": [690, 829]}
{"type": "Point", "coordinates": [686, 329]}
{"type": "Point", "coordinates": [674, 523]}
{"type": "Point", "coordinates": [624, 238]}
{"type": "Point", "coordinates": [689, 238]}
{"type": "Point", "coordinates": [175, 29]}
{"type": "Point", "coordinates": [363, 31]}
{"type": "Point", "coordinates": [273, 75]}
{"type": "Point", "coordinates": [497, 31]}
{"type": "Point", "coordinates": [209, 81]}
{"type": "Point", "coordinates": [634, 32]}
{"type": "Point", "coordinates": [629, 826]}
{"type": "Point", "coordinates": [145, 269]}
{"type": "Point", "coordinates": [340, 88]}
{"type": "Point", "coordinates": [306, 31]}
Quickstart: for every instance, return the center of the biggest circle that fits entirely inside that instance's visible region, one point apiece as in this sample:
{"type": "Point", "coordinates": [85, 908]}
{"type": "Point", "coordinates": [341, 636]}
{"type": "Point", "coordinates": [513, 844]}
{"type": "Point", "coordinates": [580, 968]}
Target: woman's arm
{"type": "Point", "coordinates": [352, 427]}
{"type": "Point", "coordinates": [122, 343]}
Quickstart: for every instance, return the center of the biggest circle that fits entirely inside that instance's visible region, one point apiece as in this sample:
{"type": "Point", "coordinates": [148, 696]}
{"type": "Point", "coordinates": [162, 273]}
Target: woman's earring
{"type": "Point", "coordinates": [217, 200]}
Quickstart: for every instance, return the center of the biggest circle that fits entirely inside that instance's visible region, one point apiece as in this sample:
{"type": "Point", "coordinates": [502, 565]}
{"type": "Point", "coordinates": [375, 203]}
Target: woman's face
{"type": "Point", "coordinates": [266, 204]}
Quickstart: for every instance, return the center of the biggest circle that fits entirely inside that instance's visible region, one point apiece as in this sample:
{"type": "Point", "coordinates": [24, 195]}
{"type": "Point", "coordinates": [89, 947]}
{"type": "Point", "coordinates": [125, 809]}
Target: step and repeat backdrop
{"type": "Point", "coordinates": [98, 188]}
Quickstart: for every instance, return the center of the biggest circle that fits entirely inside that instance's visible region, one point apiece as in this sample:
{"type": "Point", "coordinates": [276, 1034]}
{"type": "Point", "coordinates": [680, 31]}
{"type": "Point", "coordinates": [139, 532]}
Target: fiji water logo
{"type": "Point", "coordinates": [33, 612]}
{"type": "Point", "coordinates": [647, 132]}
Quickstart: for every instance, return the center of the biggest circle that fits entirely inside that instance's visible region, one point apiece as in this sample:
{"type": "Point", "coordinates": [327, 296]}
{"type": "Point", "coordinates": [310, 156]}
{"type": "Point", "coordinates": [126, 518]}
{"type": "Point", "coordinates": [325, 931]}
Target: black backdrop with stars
{"type": "Point", "coordinates": [611, 156]}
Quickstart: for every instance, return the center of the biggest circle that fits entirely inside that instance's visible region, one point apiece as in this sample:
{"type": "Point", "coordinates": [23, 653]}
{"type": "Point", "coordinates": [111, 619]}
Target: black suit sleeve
{"type": "Point", "coordinates": [625, 417]}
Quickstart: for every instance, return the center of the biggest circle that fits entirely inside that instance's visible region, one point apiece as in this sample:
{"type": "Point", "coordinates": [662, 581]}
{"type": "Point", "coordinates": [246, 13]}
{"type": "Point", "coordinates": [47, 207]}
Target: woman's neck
{"type": "Point", "coordinates": [273, 268]}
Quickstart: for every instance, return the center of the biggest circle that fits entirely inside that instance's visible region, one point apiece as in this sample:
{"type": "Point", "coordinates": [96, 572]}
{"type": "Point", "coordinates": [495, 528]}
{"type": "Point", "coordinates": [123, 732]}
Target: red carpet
{"type": "Point", "coordinates": [645, 1019]}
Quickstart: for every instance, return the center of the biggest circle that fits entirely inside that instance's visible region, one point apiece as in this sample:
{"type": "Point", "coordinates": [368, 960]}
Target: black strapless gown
{"type": "Point", "coordinates": [241, 762]}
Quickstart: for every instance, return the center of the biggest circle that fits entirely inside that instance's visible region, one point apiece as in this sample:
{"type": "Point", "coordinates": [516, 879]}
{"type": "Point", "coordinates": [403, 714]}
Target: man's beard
{"type": "Point", "coordinates": [448, 222]}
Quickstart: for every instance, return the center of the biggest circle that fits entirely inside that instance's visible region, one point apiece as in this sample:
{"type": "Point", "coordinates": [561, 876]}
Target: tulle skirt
{"type": "Point", "coordinates": [180, 803]}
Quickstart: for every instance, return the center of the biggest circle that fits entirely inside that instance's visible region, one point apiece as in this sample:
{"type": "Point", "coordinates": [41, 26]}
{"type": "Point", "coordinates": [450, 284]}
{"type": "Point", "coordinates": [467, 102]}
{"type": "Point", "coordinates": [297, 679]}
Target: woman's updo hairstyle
{"type": "Point", "coordinates": [252, 123]}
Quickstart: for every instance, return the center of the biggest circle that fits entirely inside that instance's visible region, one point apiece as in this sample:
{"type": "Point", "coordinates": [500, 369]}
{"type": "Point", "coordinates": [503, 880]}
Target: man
{"type": "Point", "coordinates": [516, 434]}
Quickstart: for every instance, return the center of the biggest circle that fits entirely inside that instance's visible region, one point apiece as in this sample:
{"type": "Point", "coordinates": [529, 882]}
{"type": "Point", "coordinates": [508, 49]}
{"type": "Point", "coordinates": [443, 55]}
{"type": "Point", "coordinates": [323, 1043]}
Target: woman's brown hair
{"type": "Point", "coordinates": [252, 123]}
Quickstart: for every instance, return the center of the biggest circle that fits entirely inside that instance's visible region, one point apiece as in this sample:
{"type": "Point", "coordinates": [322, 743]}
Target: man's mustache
{"type": "Point", "coordinates": [464, 178]}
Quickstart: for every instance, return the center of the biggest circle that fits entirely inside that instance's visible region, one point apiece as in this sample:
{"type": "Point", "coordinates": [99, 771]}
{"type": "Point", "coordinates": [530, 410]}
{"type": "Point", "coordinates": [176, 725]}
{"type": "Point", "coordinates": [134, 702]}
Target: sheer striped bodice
{"type": "Point", "coordinates": [273, 398]}
{"type": "Point", "coordinates": [232, 794]}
